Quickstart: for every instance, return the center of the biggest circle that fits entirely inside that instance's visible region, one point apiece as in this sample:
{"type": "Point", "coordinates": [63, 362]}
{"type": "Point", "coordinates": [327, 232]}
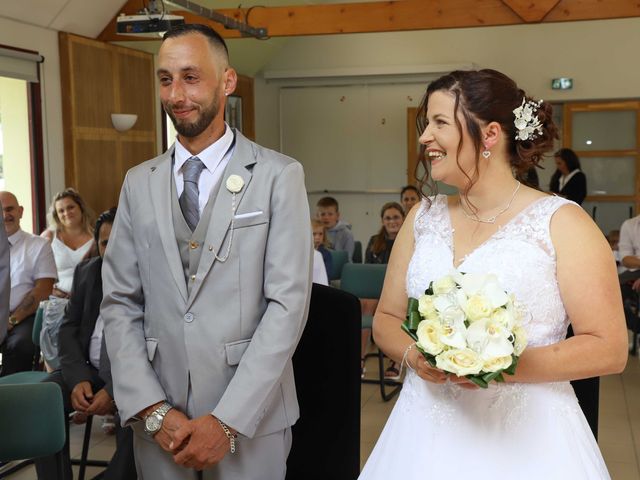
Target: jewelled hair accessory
{"type": "Point", "coordinates": [527, 122]}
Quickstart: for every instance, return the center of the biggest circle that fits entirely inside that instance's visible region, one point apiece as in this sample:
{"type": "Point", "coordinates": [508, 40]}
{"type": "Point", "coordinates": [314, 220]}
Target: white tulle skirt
{"type": "Point", "coordinates": [508, 431]}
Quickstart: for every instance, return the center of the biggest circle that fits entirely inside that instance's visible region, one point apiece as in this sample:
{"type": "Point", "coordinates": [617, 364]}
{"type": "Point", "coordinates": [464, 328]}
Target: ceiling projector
{"type": "Point", "coordinates": [147, 25]}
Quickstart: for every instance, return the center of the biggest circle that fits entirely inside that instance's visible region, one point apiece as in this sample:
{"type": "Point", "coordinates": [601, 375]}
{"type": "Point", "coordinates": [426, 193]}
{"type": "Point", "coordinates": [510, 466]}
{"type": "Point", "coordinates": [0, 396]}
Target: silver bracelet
{"type": "Point", "coordinates": [231, 436]}
{"type": "Point", "coordinates": [405, 359]}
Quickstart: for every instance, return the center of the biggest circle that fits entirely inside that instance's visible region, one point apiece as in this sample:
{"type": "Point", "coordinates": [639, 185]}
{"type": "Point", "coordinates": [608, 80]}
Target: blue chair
{"type": "Point", "coordinates": [338, 260]}
{"type": "Point", "coordinates": [366, 281]}
{"type": "Point", "coordinates": [37, 377]}
{"type": "Point", "coordinates": [32, 423]}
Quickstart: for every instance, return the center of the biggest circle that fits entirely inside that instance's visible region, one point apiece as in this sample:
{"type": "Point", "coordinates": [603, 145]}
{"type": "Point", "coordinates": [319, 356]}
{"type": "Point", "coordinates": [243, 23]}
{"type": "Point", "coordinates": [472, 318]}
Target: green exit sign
{"type": "Point", "coordinates": [562, 83]}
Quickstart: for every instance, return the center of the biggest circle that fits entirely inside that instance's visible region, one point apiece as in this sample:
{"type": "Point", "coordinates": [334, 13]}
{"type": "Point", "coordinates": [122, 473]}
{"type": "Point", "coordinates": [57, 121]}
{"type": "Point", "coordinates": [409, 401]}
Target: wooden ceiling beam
{"type": "Point", "coordinates": [531, 11]}
{"type": "Point", "coordinates": [400, 15]}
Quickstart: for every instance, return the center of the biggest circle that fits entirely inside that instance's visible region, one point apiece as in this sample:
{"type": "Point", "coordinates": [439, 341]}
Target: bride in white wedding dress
{"type": "Point", "coordinates": [543, 249]}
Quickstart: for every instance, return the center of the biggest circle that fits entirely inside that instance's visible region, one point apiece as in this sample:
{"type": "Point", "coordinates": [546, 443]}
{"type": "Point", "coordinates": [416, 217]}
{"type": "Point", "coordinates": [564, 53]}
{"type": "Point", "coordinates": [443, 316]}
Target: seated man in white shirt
{"type": "Point", "coordinates": [629, 254]}
{"type": "Point", "coordinates": [33, 271]}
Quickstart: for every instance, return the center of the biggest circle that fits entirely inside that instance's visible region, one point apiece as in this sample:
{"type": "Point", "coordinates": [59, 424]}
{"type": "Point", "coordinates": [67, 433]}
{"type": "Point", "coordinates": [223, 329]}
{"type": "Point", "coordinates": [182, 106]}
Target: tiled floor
{"type": "Point", "coordinates": [619, 427]}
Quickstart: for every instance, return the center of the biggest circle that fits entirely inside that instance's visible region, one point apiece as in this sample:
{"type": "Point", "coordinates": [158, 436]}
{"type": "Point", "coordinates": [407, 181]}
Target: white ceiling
{"type": "Point", "coordinates": [82, 17]}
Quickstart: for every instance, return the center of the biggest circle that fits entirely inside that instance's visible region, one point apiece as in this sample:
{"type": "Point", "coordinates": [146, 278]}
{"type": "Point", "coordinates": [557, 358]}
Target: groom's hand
{"type": "Point", "coordinates": [172, 422]}
{"type": "Point", "coordinates": [207, 443]}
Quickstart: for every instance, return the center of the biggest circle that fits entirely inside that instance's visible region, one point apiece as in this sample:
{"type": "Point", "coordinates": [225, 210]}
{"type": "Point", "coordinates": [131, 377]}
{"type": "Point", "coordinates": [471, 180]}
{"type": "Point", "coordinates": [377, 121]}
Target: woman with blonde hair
{"type": "Point", "coordinates": [70, 233]}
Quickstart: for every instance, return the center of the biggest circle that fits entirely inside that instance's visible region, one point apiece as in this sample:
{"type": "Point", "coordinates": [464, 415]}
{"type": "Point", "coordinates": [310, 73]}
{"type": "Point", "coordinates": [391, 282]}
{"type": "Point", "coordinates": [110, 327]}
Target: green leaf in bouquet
{"type": "Point", "coordinates": [478, 381]}
{"type": "Point", "coordinates": [413, 319]}
{"type": "Point", "coordinates": [409, 331]}
{"type": "Point", "coordinates": [413, 305]}
{"type": "Point", "coordinates": [488, 377]}
{"type": "Point", "coordinates": [512, 368]}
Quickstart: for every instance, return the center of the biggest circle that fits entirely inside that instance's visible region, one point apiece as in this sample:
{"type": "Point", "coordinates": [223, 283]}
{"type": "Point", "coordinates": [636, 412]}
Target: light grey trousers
{"type": "Point", "coordinates": [259, 458]}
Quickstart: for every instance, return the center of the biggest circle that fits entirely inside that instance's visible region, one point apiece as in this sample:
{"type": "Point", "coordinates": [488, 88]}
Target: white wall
{"type": "Point", "coordinates": [45, 42]}
{"type": "Point", "coordinates": [601, 57]}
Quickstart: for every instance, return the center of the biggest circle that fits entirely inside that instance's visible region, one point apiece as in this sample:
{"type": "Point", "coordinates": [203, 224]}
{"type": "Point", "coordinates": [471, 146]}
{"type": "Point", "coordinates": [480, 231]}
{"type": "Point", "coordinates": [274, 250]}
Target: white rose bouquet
{"type": "Point", "coordinates": [466, 324]}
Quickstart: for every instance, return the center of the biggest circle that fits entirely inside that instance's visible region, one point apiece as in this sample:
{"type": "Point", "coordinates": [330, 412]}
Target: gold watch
{"type": "Point", "coordinates": [13, 321]}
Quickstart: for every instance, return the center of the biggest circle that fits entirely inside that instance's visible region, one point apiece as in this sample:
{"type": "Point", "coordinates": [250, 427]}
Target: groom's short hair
{"type": "Point", "coordinates": [215, 40]}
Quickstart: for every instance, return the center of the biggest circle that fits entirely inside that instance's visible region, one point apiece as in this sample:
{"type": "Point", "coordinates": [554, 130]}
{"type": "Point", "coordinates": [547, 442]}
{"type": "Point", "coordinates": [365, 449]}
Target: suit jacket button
{"type": "Point", "coordinates": [188, 317]}
{"type": "Point", "coordinates": [194, 245]}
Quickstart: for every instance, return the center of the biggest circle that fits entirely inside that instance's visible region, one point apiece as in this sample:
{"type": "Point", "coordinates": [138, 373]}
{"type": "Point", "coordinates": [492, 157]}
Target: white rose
{"type": "Point", "coordinates": [460, 362]}
{"type": "Point", "coordinates": [234, 183]}
{"type": "Point", "coordinates": [477, 307]}
{"type": "Point", "coordinates": [520, 343]}
{"type": "Point", "coordinates": [429, 333]}
{"type": "Point", "coordinates": [497, 363]}
{"type": "Point", "coordinates": [425, 306]}
{"type": "Point", "coordinates": [443, 285]}
{"type": "Point", "coordinates": [503, 316]}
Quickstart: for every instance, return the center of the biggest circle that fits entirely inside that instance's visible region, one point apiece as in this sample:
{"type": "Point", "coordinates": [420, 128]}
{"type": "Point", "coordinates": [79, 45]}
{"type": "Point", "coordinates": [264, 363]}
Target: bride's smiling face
{"type": "Point", "coordinates": [442, 138]}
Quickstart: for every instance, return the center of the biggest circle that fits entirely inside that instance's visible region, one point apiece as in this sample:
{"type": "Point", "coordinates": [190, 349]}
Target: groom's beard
{"type": "Point", "coordinates": [193, 129]}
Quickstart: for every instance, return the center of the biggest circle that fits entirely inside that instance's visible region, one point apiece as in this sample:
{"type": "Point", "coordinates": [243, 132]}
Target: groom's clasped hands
{"type": "Point", "coordinates": [198, 443]}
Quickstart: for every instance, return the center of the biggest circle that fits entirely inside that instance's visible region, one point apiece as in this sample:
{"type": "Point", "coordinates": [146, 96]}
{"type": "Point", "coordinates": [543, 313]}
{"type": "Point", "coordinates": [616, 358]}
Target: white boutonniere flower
{"type": "Point", "coordinates": [234, 183]}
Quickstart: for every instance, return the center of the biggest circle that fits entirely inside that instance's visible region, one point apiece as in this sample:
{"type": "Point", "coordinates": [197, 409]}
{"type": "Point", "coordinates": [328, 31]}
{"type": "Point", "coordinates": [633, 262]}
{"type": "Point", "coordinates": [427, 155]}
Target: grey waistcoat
{"type": "Point", "coordinates": [190, 244]}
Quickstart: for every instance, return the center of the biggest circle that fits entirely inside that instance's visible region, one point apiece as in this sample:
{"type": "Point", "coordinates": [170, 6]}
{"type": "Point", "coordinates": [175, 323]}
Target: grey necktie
{"type": "Point", "coordinates": [189, 202]}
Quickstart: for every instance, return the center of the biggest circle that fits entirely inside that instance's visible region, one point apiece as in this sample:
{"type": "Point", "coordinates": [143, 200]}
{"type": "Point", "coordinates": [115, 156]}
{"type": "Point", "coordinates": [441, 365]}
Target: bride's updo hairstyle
{"type": "Point", "coordinates": [484, 96]}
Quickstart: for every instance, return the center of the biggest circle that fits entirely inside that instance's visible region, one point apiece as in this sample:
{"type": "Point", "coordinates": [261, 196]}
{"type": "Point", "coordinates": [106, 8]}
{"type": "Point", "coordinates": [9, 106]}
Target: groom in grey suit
{"type": "Point", "coordinates": [207, 279]}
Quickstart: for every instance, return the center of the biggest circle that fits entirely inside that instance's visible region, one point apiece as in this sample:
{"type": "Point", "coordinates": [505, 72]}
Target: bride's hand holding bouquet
{"type": "Point", "coordinates": [467, 329]}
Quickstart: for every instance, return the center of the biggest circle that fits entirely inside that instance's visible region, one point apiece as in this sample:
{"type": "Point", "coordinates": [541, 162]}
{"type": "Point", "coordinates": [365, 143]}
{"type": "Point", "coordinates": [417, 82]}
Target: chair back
{"type": "Point", "coordinates": [363, 280]}
{"type": "Point", "coordinates": [328, 395]}
{"type": "Point", "coordinates": [338, 260]}
{"type": "Point", "coordinates": [357, 252]}
{"type": "Point", "coordinates": [37, 324]}
{"type": "Point", "coordinates": [32, 421]}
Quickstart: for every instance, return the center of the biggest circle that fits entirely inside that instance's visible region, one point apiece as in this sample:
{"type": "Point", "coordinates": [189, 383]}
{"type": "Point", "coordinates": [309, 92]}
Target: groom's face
{"type": "Point", "coordinates": [192, 83]}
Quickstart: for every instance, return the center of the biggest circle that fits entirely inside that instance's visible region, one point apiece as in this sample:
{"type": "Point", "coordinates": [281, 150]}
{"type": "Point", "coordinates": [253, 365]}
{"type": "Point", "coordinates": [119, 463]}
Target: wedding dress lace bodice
{"type": "Point", "coordinates": [509, 430]}
{"type": "Point", "coordinates": [520, 253]}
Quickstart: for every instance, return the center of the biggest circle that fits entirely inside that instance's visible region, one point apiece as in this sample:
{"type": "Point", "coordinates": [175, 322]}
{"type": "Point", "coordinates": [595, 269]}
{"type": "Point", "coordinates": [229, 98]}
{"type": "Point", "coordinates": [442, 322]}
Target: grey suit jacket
{"type": "Point", "coordinates": [5, 281]}
{"type": "Point", "coordinates": [232, 339]}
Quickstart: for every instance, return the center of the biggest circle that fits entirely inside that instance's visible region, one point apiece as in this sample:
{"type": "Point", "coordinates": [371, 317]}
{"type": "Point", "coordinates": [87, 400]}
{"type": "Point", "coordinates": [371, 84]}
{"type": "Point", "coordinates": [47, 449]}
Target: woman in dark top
{"type": "Point", "coordinates": [379, 247]}
{"type": "Point", "coordinates": [378, 251]}
{"type": "Point", "coordinates": [568, 180]}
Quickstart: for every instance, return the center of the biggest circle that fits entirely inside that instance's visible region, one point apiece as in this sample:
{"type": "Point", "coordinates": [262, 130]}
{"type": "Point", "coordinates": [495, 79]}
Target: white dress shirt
{"type": "Point", "coordinates": [95, 344]}
{"type": "Point", "coordinates": [319, 270]}
{"type": "Point", "coordinates": [629, 244]}
{"type": "Point", "coordinates": [215, 158]}
{"type": "Point", "coordinates": [31, 260]}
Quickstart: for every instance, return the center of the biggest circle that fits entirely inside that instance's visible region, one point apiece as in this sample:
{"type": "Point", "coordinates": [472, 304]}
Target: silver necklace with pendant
{"type": "Point", "coordinates": [490, 220]}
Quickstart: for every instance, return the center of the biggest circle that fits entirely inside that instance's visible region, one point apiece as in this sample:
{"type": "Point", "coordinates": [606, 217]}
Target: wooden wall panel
{"type": "Point", "coordinates": [92, 96]}
{"type": "Point", "coordinates": [99, 79]}
{"type": "Point", "coordinates": [98, 176]}
{"type": "Point", "coordinates": [140, 99]}
{"type": "Point", "coordinates": [133, 151]}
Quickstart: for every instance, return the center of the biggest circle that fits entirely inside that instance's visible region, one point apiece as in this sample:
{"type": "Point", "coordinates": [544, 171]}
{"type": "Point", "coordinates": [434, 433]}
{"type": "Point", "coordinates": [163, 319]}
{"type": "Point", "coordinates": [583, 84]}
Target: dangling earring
{"type": "Point", "coordinates": [486, 153]}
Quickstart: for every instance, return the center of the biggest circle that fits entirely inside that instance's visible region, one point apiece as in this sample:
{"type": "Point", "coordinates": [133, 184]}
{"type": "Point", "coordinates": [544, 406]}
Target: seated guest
{"type": "Point", "coordinates": [379, 246]}
{"type": "Point", "coordinates": [320, 245]}
{"type": "Point", "coordinates": [379, 251]}
{"type": "Point", "coordinates": [409, 196]}
{"type": "Point", "coordinates": [71, 235]}
{"type": "Point", "coordinates": [85, 377]}
{"type": "Point", "coordinates": [33, 272]}
{"type": "Point", "coordinates": [338, 231]}
{"type": "Point", "coordinates": [5, 281]}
